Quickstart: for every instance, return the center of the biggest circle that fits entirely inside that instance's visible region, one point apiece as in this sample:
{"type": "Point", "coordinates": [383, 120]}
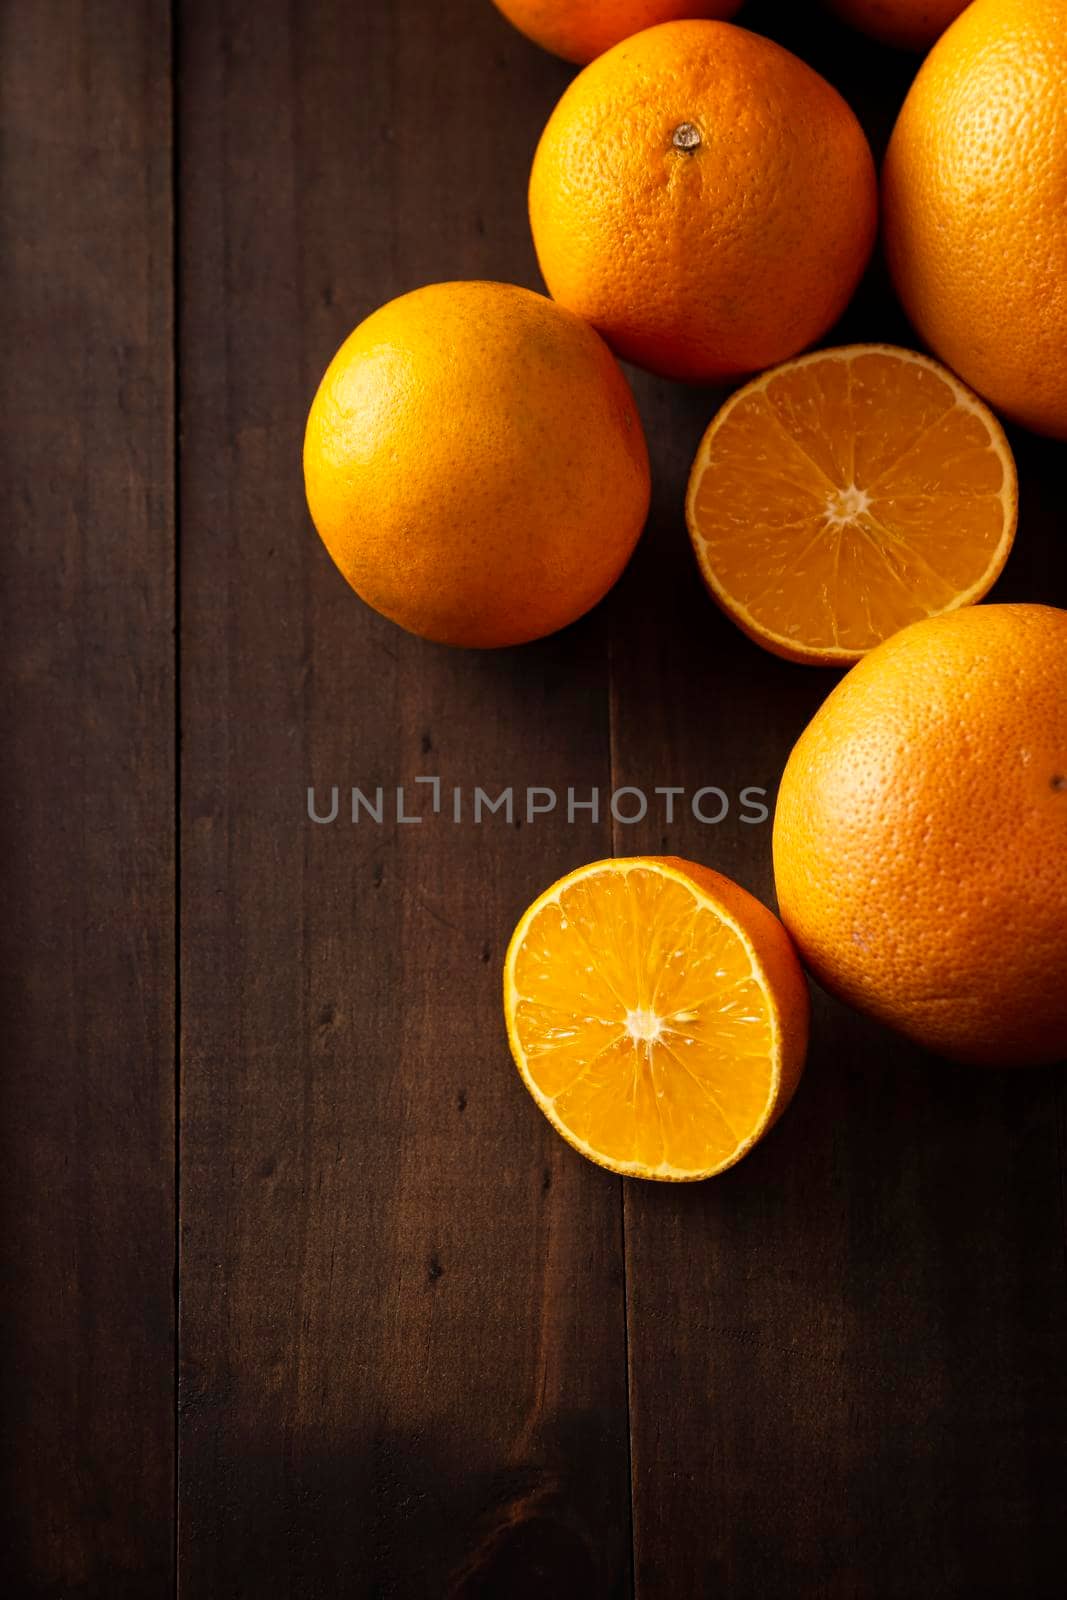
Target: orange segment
{"type": "Point", "coordinates": [846, 494]}
{"type": "Point", "coordinates": [657, 1014]}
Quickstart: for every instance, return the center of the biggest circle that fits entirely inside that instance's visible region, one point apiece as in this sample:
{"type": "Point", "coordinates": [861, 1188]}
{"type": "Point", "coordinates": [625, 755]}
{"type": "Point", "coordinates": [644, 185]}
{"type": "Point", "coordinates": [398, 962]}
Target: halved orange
{"type": "Point", "coordinates": [847, 493]}
{"type": "Point", "coordinates": [658, 1015]}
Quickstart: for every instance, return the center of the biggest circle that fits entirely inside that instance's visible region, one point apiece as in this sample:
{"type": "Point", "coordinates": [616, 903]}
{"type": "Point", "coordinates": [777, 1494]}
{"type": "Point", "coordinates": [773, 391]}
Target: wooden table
{"type": "Point", "coordinates": [302, 1296]}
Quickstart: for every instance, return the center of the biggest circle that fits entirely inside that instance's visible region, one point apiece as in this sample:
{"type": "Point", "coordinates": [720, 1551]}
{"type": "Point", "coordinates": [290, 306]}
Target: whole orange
{"type": "Point", "coordinates": [975, 196]}
{"type": "Point", "coordinates": [920, 837]}
{"type": "Point", "coordinates": [475, 464]}
{"type": "Point", "coordinates": [578, 30]}
{"type": "Point", "coordinates": [704, 199]}
{"type": "Point", "coordinates": [909, 24]}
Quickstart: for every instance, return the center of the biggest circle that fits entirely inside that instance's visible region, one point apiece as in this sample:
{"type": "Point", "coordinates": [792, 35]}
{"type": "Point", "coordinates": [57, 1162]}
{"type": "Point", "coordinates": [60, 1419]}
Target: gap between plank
{"type": "Point", "coordinates": [175, 242]}
{"type": "Point", "coordinates": [614, 840]}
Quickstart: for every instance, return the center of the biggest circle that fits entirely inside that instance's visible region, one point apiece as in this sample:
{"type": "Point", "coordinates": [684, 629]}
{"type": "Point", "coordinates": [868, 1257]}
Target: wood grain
{"type": "Point", "coordinates": [420, 1338]}
{"type": "Point", "coordinates": [846, 1355]}
{"type": "Point", "coordinates": [87, 1159]}
{"type": "Point", "coordinates": [402, 1316]}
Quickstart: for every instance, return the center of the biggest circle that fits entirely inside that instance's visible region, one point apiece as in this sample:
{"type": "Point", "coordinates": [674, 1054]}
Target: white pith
{"type": "Point", "coordinates": [644, 1025]}
{"type": "Point", "coordinates": [965, 399]}
{"type": "Point", "coordinates": [846, 505]}
{"type": "Point", "coordinates": [665, 1171]}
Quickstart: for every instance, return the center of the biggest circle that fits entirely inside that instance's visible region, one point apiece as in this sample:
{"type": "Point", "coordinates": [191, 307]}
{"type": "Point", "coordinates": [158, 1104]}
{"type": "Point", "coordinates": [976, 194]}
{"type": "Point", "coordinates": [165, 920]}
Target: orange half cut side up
{"type": "Point", "coordinates": [843, 495]}
{"type": "Point", "coordinates": [657, 1014]}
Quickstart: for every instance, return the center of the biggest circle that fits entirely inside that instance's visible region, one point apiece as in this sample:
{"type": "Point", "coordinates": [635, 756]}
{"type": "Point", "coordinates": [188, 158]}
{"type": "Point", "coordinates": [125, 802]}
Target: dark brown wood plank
{"type": "Point", "coordinates": [847, 1372]}
{"type": "Point", "coordinates": [402, 1322]}
{"type": "Point", "coordinates": [87, 1160]}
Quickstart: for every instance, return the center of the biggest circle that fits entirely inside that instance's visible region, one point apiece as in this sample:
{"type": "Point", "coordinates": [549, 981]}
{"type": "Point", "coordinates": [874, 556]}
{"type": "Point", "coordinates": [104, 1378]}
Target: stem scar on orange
{"type": "Point", "coordinates": [658, 1015]}
{"type": "Point", "coordinates": [705, 199]}
{"type": "Point", "coordinates": [848, 493]}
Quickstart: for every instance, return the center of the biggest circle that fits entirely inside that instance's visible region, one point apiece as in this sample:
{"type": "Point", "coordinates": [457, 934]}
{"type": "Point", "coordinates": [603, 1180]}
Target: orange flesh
{"type": "Point", "coordinates": [640, 1024]}
{"type": "Point", "coordinates": [847, 494]}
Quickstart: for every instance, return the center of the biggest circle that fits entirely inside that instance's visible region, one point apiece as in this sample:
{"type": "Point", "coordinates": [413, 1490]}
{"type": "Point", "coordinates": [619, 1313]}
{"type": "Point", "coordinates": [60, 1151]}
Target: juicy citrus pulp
{"type": "Point", "coordinates": [657, 1013]}
{"type": "Point", "coordinates": [846, 494]}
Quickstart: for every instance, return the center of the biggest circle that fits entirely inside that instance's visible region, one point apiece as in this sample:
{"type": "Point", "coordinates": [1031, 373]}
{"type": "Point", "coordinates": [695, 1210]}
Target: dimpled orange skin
{"type": "Point", "coordinates": [920, 837]}
{"type": "Point", "coordinates": [717, 259]}
{"type": "Point", "coordinates": [578, 30]}
{"type": "Point", "coordinates": [908, 24]}
{"type": "Point", "coordinates": [475, 464]}
{"type": "Point", "coordinates": [975, 206]}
